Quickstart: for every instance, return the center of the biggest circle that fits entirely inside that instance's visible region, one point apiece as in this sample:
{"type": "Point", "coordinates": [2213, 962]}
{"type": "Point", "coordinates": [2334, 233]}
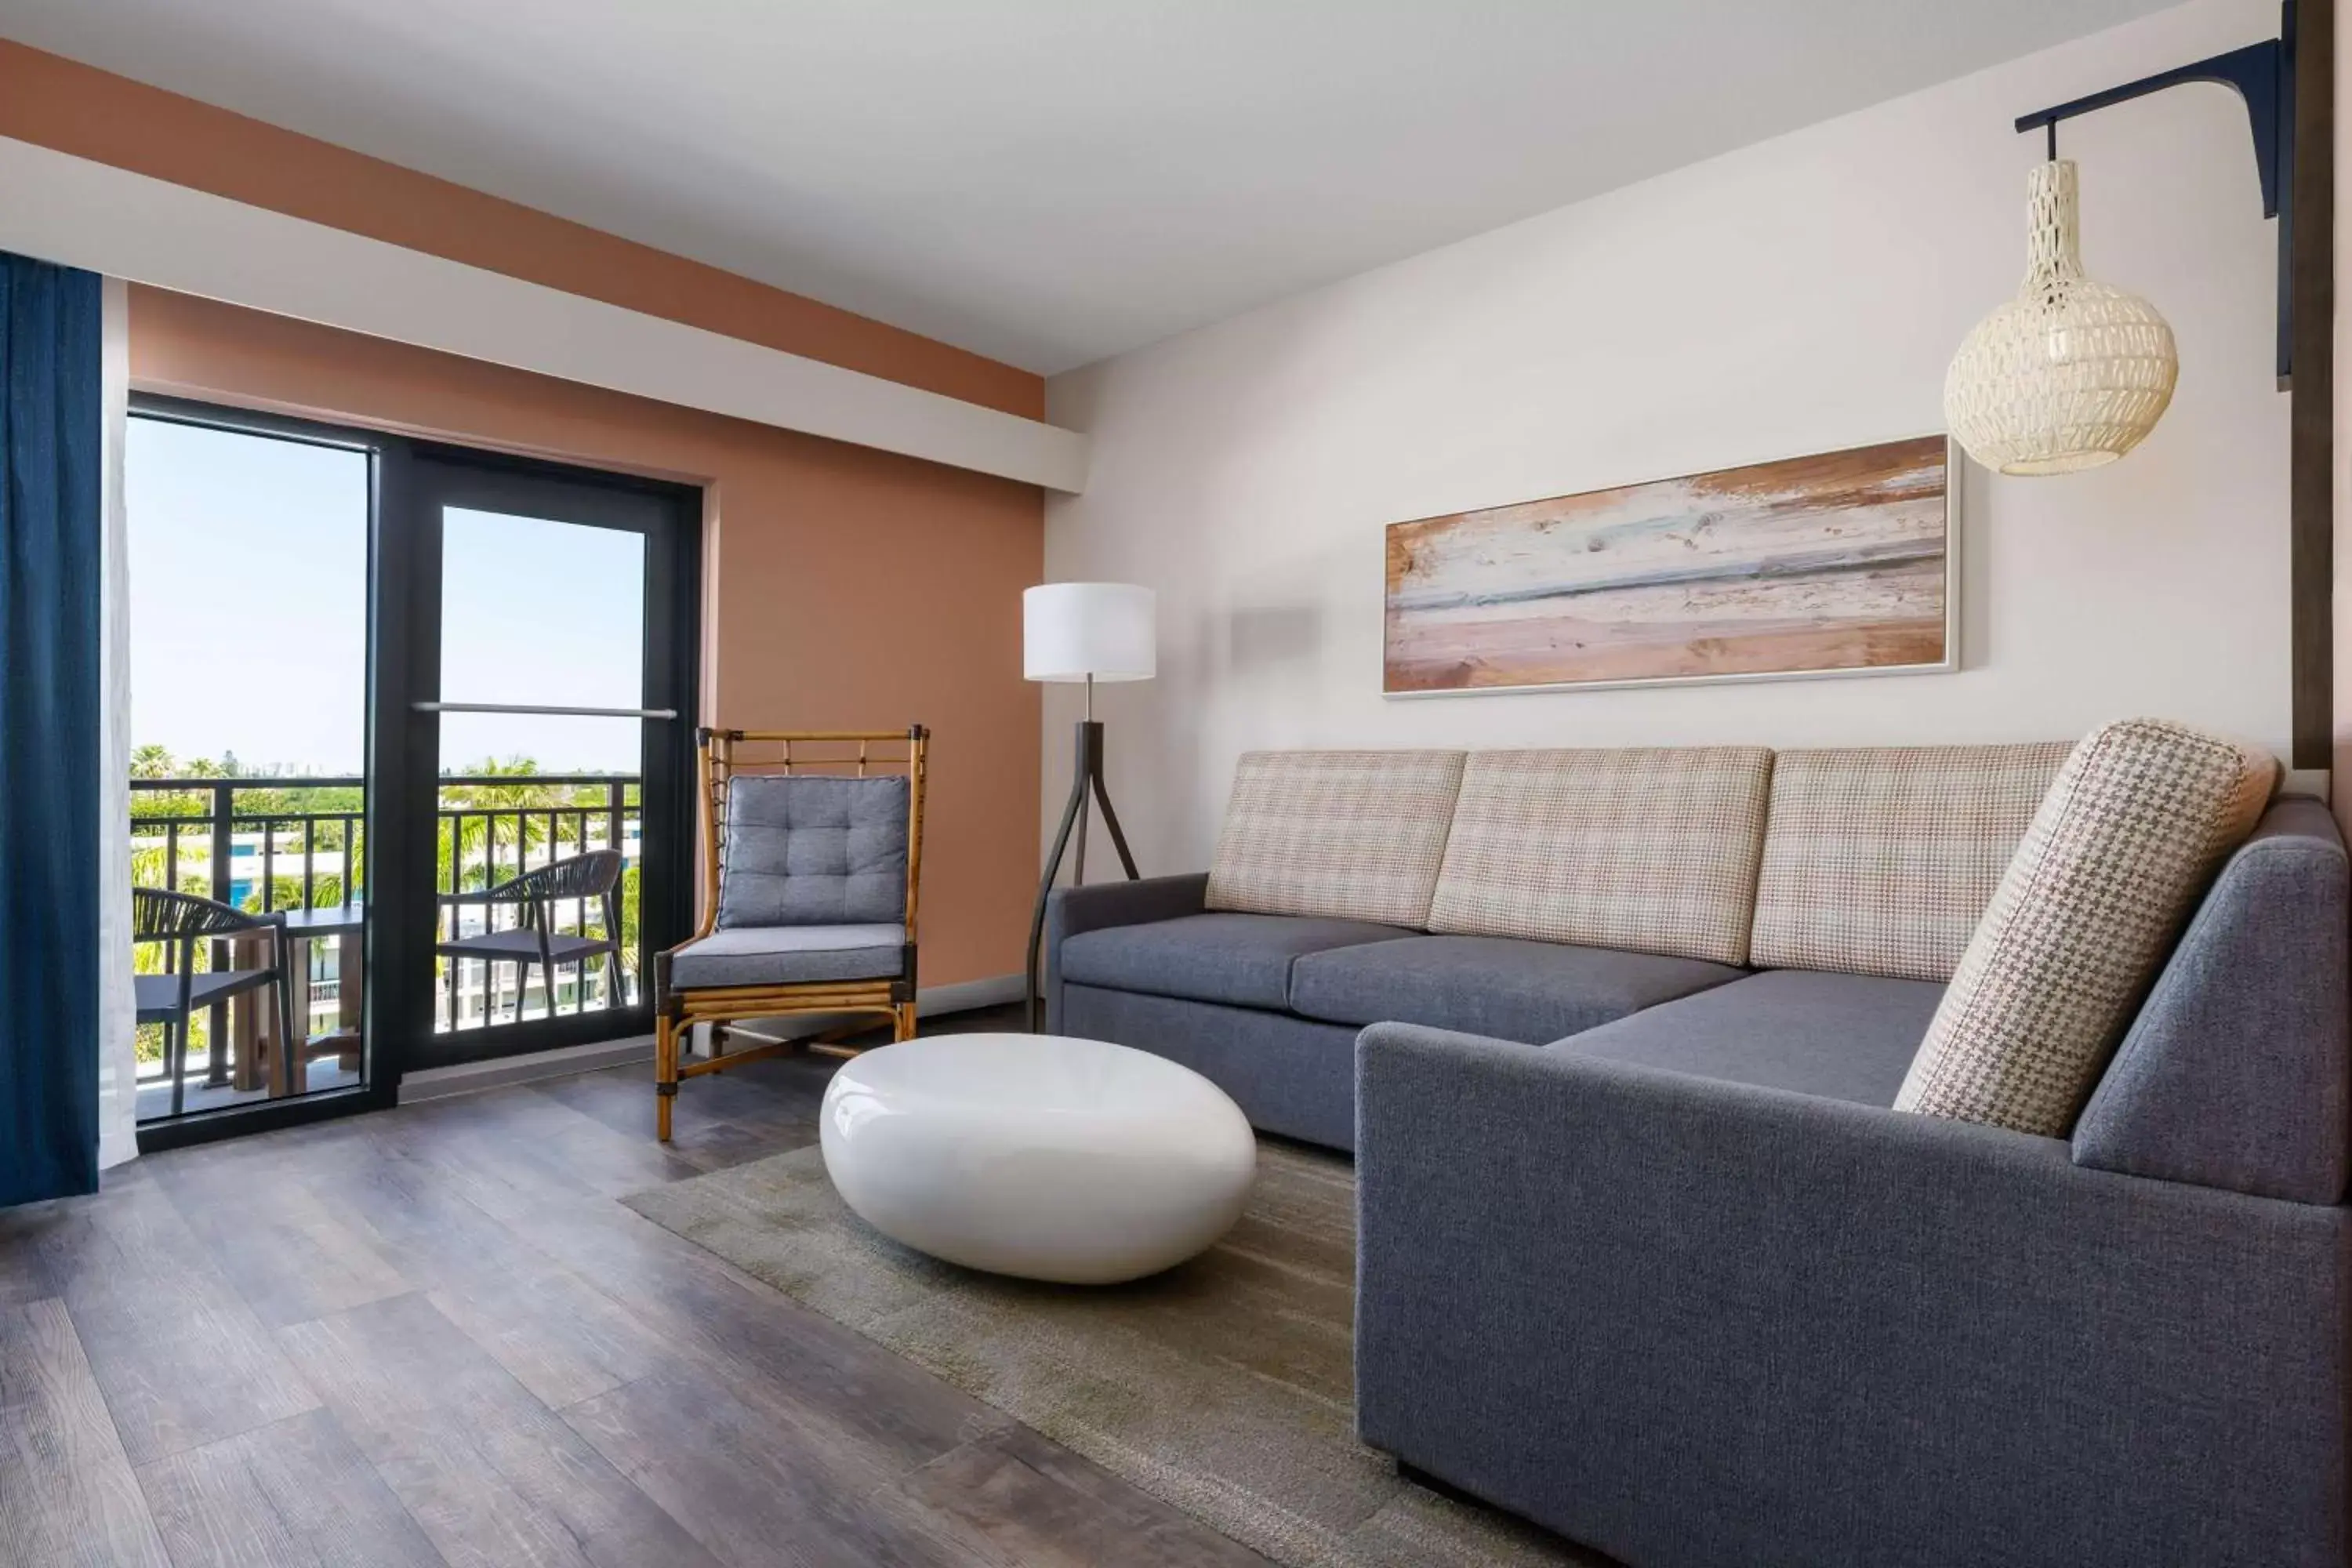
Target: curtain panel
{"type": "Point", "coordinates": [118, 991]}
{"type": "Point", "coordinates": [51, 536]}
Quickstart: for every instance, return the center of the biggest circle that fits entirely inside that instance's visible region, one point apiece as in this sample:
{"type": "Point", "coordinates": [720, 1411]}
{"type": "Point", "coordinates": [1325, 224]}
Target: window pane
{"type": "Point", "coordinates": [550, 613]}
{"type": "Point", "coordinates": [546, 613]}
{"type": "Point", "coordinates": [249, 599]}
{"type": "Point", "coordinates": [248, 666]}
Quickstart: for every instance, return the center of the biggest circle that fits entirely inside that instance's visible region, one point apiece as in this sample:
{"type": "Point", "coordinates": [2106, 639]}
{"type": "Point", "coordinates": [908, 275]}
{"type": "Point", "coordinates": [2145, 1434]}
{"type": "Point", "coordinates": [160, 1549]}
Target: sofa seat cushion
{"type": "Point", "coordinates": [788, 955]}
{"type": "Point", "coordinates": [1502, 986]}
{"type": "Point", "coordinates": [1840, 1037]}
{"type": "Point", "coordinates": [1240, 958]}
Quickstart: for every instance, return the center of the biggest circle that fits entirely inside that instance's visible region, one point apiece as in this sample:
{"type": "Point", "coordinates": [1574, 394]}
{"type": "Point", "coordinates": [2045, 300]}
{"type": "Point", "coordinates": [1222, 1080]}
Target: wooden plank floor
{"type": "Point", "coordinates": [433, 1335]}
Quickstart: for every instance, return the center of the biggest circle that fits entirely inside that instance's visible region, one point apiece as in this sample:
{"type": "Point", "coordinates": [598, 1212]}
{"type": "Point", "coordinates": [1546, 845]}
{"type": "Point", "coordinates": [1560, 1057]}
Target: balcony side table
{"type": "Point", "coordinates": [289, 1071]}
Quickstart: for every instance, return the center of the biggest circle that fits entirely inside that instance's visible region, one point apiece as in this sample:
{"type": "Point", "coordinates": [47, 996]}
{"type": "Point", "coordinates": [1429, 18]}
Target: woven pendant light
{"type": "Point", "coordinates": [2070, 373]}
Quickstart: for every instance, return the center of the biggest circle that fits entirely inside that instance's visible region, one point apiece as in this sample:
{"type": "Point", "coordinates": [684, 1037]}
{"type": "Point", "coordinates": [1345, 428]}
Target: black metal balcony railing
{"type": "Point", "coordinates": [300, 844]}
{"type": "Point", "coordinates": [179, 809]}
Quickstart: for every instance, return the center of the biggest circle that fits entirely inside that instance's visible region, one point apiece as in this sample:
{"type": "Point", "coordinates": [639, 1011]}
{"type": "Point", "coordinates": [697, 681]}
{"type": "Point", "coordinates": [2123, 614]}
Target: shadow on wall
{"type": "Point", "coordinates": [1258, 639]}
{"type": "Point", "coordinates": [1155, 738]}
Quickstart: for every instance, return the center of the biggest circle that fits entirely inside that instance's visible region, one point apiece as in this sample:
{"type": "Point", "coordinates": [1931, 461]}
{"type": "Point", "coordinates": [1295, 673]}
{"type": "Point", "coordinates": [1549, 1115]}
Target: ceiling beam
{"type": "Point", "coordinates": [93, 216]}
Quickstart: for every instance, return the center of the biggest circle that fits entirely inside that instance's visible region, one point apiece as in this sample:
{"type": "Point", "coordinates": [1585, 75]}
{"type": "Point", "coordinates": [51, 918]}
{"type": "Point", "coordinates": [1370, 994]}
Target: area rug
{"type": "Point", "coordinates": [1222, 1387]}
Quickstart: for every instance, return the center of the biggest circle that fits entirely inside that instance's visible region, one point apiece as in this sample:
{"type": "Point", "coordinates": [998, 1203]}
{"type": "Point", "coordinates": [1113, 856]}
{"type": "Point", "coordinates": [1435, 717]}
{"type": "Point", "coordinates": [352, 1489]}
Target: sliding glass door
{"type": "Point", "coordinates": [547, 708]}
{"type": "Point", "coordinates": [412, 731]}
{"type": "Point", "coordinates": [247, 630]}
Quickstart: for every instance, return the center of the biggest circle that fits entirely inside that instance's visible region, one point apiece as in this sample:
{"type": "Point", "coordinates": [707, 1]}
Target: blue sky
{"type": "Point", "coordinates": [249, 613]}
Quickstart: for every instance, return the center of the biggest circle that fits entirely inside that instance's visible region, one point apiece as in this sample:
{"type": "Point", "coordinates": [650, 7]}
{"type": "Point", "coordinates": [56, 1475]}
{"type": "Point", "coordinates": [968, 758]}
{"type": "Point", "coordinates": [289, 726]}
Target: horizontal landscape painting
{"type": "Point", "coordinates": [1838, 561]}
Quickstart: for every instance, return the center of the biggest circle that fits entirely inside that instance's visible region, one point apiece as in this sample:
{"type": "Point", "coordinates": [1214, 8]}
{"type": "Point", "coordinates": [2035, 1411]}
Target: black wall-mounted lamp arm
{"type": "Point", "coordinates": [2263, 76]}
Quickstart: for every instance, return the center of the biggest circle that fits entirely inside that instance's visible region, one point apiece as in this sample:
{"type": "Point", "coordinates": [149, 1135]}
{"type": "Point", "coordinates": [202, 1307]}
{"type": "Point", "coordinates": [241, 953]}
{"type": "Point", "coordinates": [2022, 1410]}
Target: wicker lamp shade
{"type": "Point", "coordinates": [2070, 373]}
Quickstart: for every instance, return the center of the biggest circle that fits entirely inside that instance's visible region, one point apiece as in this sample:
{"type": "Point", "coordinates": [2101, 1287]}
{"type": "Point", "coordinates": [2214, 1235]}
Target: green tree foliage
{"type": "Point", "coordinates": [475, 844]}
{"type": "Point", "coordinates": [491, 826]}
{"type": "Point", "coordinates": [629, 938]}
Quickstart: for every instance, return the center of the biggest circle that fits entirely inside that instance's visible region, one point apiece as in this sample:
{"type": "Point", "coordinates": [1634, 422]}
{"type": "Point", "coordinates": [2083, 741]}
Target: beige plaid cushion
{"type": "Point", "coordinates": [2138, 820]}
{"type": "Point", "coordinates": [1651, 849]}
{"type": "Point", "coordinates": [1882, 861]}
{"type": "Point", "coordinates": [1352, 835]}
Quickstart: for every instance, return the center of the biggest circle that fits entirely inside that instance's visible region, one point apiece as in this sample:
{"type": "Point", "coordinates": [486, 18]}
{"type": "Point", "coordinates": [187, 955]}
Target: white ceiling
{"type": "Point", "coordinates": [1047, 182]}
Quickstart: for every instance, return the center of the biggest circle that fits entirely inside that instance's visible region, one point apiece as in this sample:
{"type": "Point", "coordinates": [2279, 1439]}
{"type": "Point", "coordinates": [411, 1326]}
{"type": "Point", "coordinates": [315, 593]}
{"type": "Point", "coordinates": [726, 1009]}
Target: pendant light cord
{"type": "Point", "coordinates": [2053, 129]}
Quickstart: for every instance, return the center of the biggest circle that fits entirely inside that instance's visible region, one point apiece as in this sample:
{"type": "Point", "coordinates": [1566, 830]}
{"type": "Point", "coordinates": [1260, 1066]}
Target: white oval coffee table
{"type": "Point", "coordinates": [1037, 1155]}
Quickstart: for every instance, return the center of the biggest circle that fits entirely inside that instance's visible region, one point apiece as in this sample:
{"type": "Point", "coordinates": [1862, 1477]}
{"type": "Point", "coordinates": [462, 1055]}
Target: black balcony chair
{"type": "Point", "coordinates": [183, 919]}
{"type": "Point", "coordinates": [535, 939]}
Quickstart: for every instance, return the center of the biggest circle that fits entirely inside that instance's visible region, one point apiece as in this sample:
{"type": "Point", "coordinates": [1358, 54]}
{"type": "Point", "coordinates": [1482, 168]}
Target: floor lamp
{"type": "Point", "coordinates": [1089, 632]}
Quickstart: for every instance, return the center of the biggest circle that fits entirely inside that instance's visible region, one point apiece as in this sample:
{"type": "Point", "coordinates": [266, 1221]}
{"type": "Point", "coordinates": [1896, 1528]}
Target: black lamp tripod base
{"type": "Point", "coordinates": [1086, 781]}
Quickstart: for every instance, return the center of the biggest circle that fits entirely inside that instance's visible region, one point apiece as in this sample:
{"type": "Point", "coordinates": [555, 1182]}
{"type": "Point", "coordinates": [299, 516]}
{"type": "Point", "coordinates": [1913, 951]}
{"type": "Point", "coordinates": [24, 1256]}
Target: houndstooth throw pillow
{"type": "Point", "coordinates": [1650, 849]}
{"type": "Point", "coordinates": [1347, 834]}
{"type": "Point", "coordinates": [1882, 861]}
{"type": "Point", "coordinates": [2138, 820]}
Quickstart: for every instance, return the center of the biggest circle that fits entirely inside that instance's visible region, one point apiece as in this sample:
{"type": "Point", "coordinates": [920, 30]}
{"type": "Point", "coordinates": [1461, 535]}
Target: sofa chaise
{"type": "Point", "coordinates": [1646, 1253]}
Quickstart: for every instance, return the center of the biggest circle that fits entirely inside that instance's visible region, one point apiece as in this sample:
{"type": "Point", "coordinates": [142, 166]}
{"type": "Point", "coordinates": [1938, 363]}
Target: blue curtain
{"type": "Point", "coordinates": [50, 533]}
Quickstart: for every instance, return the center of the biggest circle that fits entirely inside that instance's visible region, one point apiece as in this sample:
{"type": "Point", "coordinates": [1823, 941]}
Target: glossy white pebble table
{"type": "Point", "coordinates": [1037, 1155]}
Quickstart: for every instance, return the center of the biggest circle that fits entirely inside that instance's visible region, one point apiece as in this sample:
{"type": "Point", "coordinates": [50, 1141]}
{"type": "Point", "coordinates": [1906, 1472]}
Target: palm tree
{"type": "Point", "coordinates": [470, 843]}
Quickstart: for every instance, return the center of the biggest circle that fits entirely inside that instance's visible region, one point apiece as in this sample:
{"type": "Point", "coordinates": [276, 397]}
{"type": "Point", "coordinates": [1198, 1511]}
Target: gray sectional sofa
{"type": "Point", "coordinates": [1646, 1255]}
{"type": "Point", "coordinates": [1269, 1006]}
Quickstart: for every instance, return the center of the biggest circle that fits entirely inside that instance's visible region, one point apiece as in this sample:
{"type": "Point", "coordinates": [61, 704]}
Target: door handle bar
{"type": "Point", "coordinates": [538, 709]}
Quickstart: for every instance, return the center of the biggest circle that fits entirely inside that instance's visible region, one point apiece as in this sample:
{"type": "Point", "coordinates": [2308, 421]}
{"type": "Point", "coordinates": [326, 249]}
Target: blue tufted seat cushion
{"type": "Point", "coordinates": [814, 850]}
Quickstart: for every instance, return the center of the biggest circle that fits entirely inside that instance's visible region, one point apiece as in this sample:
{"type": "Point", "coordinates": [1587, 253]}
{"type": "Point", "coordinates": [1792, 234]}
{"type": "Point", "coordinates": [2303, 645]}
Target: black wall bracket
{"type": "Point", "coordinates": [2263, 76]}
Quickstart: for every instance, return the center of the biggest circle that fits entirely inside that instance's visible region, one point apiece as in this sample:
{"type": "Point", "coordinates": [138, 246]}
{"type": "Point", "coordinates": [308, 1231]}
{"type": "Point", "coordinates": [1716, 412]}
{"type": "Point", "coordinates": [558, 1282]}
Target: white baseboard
{"type": "Point", "coordinates": [965, 995]}
{"type": "Point", "coordinates": [437, 1083]}
{"type": "Point", "coordinates": [465, 1077]}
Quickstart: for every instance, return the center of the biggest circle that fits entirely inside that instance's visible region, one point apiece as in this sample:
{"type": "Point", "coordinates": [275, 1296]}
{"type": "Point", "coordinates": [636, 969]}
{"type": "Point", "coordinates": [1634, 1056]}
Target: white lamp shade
{"type": "Point", "coordinates": [2069, 374]}
{"type": "Point", "coordinates": [1073, 630]}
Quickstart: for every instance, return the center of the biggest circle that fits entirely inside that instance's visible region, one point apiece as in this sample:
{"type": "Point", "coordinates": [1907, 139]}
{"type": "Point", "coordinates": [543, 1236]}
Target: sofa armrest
{"type": "Point", "coordinates": [1687, 1321]}
{"type": "Point", "coordinates": [1072, 911]}
{"type": "Point", "coordinates": [2237, 1071]}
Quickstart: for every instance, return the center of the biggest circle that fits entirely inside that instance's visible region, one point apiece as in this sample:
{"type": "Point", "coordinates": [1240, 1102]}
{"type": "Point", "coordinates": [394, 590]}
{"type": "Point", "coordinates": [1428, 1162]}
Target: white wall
{"type": "Point", "coordinates": [1802, 295]}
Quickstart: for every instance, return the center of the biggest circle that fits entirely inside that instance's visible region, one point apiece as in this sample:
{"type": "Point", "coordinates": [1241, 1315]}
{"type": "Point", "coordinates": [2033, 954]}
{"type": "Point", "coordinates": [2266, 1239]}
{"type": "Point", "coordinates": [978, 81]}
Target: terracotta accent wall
{"type": "Point", "coordinates": [845, 588]}
{"type": "Point", "coordinates": [90, 113]}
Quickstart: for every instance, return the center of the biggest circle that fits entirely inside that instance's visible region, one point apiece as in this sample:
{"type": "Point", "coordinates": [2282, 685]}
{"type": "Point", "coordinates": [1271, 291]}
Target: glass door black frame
{"type": "Point", "coordinates": [430, 478]}
{"type": "Point", "coordinates": [402, 763]}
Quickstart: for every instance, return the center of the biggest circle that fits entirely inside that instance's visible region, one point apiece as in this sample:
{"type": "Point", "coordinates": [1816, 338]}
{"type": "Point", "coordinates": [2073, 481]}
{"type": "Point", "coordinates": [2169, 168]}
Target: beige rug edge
{"type": "Point", "coordinates": [1222, 1388]}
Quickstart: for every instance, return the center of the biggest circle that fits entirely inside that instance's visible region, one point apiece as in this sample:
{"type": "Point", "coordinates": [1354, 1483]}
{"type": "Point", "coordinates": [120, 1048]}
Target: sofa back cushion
{"type": "Point", "coordinates": [2139, 818]}
{"type": "Point", "coordinates": [1653, 850]}
{"type": "Point", "coordinates": [812, 850]}
{"type": "Point", "coordinates": [1882, 861]}
{"type": "Point", "coordinates": [1354, 835]}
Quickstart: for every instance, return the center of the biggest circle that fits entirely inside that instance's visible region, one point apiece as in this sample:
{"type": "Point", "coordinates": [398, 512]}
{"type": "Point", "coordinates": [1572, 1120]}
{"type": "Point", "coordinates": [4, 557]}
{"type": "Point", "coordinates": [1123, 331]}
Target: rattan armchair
{"type": "Point", "coordinates": [811, 854]}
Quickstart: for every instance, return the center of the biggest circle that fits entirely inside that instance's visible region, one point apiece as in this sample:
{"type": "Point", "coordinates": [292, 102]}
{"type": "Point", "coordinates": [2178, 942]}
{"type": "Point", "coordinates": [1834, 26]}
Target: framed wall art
{"type": "Point", "coordinates": [1840, 563]}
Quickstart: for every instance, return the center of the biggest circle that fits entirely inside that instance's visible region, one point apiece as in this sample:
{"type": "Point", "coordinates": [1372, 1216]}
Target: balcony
{"type": "Point", "coordinates": [300, 844]}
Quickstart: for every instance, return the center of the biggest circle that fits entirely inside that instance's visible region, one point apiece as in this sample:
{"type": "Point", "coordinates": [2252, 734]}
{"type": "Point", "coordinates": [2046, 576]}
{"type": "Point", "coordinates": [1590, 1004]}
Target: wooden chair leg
{"type": "Point", "coordinates": [902, 1021]}
{"type": "Point", "coordinates": [665, 1073]}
